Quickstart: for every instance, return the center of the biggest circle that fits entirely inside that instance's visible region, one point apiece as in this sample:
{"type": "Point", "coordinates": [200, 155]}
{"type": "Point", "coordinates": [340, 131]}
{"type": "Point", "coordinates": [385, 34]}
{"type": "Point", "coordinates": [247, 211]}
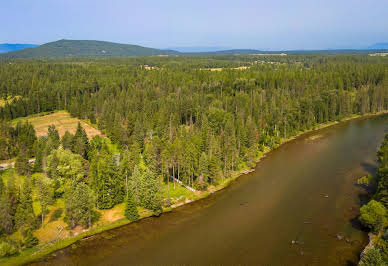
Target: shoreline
{"type": "Point", "coordinates": [45, 249]}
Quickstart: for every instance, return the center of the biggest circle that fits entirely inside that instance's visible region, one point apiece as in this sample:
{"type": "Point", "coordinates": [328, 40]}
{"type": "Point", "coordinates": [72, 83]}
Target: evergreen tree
{"type": "Point", "coordinates": [45, 195]}
{"type": "Point", "coordinates": [106, 181]}
{"type": "Point", "coordinates": [131, 212]}
{"type": "Point", "coordinates": [53, 135]}
{"type": "Point", "coordinates": [81, 142]}
{"type": "Point", "coordinates": [39, 149]}
{"type": "Point", "coordinates": [67, 141]}
{"type": "Point", "coordinates": [22, 164]}
{"type": "Point", "coordinates": [79, 205]}
{"type": "Point", "coordinates": [6, 214]}
{"type": "Point", "coordinates": [24, 216]}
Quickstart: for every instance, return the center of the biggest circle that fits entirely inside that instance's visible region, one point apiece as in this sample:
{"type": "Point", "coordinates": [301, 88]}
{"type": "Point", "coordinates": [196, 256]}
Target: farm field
{"type": "Point", "coordinates": [61, 120]}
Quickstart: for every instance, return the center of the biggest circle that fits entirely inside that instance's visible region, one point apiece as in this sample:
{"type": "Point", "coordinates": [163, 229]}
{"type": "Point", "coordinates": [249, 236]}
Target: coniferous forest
{"type": "Point", "coordinates": [197, 120]}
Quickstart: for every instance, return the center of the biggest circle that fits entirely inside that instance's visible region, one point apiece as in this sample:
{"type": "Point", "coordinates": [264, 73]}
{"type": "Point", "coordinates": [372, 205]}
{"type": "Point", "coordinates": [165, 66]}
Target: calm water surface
{"type": "Point", "coordinates": [304, 191]}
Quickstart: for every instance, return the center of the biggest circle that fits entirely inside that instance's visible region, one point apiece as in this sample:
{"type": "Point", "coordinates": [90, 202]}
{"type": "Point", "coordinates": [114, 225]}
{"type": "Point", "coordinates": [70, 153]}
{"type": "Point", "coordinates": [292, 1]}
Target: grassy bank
{"type": "Point", "coordinates": [187, 197]}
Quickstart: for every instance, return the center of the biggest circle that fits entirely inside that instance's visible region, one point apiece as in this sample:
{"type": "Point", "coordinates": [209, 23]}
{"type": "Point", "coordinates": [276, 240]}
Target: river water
{"type": "Point", "coordinates": [299, 207]}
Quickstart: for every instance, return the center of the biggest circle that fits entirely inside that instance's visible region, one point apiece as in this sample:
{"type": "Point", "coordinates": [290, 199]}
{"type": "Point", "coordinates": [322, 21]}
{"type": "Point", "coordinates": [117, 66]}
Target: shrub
{"type": "Point", "coordinates": [373, 215]}
{"type": "Point", "coordinates": [29, 239]}
{"type": "Point", "coordinates": [7, 250]}
{"type": "Point", "coordinates": [372, 258]}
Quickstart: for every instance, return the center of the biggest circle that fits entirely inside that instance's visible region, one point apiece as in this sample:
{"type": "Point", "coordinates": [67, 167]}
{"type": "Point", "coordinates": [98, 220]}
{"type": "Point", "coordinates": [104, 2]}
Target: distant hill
{"type": "Point", "coordinates": [198, 49]}
{"type": "Point", "coordinates": [9, 47]}
{"type": "Point", "coordinates": [379, 46]}
{"type": "Point", "coordinates": [85, 48]}
{"type": "Point", "coordinates": [233, 52]}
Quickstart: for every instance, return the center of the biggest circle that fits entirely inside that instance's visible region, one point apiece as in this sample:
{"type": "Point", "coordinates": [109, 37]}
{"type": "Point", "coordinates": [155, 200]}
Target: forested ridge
{"type": "Point", "coordinates": [169, 118]}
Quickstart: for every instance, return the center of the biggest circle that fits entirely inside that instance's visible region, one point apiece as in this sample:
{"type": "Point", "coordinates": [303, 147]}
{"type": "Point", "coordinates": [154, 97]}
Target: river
{"type": "Point", "coordinates": [305, 191]}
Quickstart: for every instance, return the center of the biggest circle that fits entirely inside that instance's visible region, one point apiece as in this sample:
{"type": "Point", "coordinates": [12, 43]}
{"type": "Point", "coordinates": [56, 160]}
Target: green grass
{"type": "Point", "coordinates": [177, 192]}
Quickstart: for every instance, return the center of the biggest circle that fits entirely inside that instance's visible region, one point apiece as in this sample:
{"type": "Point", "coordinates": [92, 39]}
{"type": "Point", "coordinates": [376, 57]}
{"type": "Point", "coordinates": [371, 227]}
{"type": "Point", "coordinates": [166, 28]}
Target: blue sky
{"type": "Point", "coordinates": [271, 24]}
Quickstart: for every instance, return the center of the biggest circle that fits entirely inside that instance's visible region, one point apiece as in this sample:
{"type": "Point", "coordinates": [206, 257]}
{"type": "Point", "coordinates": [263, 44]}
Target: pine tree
{"type": "Point", "coordinates": [6, 214]}
{"type": "Point", "coordinates": [22, 164]}
{"type": "Point", "coordinates": [81, 142]}
{"type": "Point", "coordinates": [2, 187]}
{"type": "Point", "coordinates": [39, 148]}
{"type": "Point", "coordinates": [67, 141]}
{"type": "Point", "coordinates": [79, 205]}
{"type": "Point", "coordinates": [53, 135]}
{"type": "Point", "coordinates": [24, 216]}
{"type": "Point", "coordinates": [131, 212]}
{"type": "Point", "coordinates": [45, 195]}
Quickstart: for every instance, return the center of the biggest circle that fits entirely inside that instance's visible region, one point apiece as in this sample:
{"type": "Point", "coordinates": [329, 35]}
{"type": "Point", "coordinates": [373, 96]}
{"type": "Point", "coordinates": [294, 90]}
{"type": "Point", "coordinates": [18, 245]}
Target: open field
{"type": "Point", "coordinates": [379, 54]}
{"type": "Point", "coordinates": [221, 68]}
{"type": "Point", "coordinates": [62, 121]}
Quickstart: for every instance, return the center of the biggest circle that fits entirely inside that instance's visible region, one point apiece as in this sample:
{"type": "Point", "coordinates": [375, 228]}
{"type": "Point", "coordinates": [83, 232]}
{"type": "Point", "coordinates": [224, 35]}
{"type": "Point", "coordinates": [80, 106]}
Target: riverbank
{"type": "Point", "coordinates": [45, 249]}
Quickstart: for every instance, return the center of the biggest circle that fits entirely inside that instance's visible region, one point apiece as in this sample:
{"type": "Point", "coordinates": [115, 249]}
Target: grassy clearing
{"type": "Point", "coordinates": [62, 121]}
{"type": "Point", "coordinates": [222, 68]}
{"type": "Point", "coordinates": [379, 54]}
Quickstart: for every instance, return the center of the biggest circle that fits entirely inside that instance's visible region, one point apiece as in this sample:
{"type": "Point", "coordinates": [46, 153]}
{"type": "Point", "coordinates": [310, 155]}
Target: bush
{"type": "Point", "coordinates": [373, 215]}
{"type": "Point", "coordinates": [56, 215]}
{"type": "Point", "coordinates": [372, 258]}
{"type": "Point", "coordinates": [7, 250]}
{"type": "Point", "coordinates": [29, 239]}
{"type": "Point", "coordinates": [385, 235]}
{"type": "Point", "coordinates": [365, 180]}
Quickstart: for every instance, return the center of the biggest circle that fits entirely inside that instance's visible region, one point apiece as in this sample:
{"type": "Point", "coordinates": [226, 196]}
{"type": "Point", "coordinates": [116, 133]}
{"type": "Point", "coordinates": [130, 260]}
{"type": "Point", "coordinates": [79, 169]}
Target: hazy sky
{"type": "Point", "coordinates": [270, 24]}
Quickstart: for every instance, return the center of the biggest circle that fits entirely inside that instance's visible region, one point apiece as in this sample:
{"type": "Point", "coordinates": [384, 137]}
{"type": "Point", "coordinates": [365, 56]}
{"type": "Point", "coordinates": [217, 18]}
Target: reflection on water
{"type": "Point", "coordinates": [299, 207]}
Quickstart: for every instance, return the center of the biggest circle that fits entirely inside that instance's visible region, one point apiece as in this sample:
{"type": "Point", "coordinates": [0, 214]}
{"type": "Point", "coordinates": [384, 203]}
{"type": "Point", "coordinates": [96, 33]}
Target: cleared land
{"type": "Point", "coordinates": [61, 120]}
{"type": "Point", "coordinates": [379, 54]}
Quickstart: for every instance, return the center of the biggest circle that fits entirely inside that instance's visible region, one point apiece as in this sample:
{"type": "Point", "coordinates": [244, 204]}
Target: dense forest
{"type": "Point", "coordinates": [169, 119]}
{"type": "Point", "coordinates": [374, 214]}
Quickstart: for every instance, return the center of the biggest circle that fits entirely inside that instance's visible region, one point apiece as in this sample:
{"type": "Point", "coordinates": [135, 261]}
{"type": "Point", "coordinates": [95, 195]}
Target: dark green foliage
{"type": "Point", "coordinates": [22, 164]}
{"type": "Point", "coordinates": [7, 249]}
{"type": "Point", "coordinates": [53, 136]}
{"type": "Point", "coordinates": [67, 141]}
{"type": "Point", "coordinates": [106, 180]}
{"type": "Point", "coordinates": [149, 192]}
{"type": "Point", "coordinates": [39, 150]}
{"type": "Point", "coordinates": [382, 173]}
{"type": "Point", "coordinates": [24, 216]}
{"type": "Point", "coordinates": [2, 187]}
{"type": "Point", "coordinates": [6, 214]}
{"type": "Point", "coordinates": [385, 235]}
{"type": "Point", "coordinates": [372, 258]}
{"type": "Point", "coordinates": [174, 122]}
{"type": "Point", "coordinates": [80, 142]}
{"type": "Point", "coordinates": [131, 212]}
{"type": "Point", "coordinates": [80, 202]}
{"type": "Point", "coordinates": [373, 215]}
{"type": "Point", "coordinates": [45, 195]}
{"type": "Point", "coordinates": [56, 215]}
{"type": "Point", "coordinates": [29, 239]}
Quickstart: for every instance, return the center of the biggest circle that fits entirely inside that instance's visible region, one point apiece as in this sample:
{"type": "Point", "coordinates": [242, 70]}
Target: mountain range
{"type": "Point", "coordinates": [90, 48]}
